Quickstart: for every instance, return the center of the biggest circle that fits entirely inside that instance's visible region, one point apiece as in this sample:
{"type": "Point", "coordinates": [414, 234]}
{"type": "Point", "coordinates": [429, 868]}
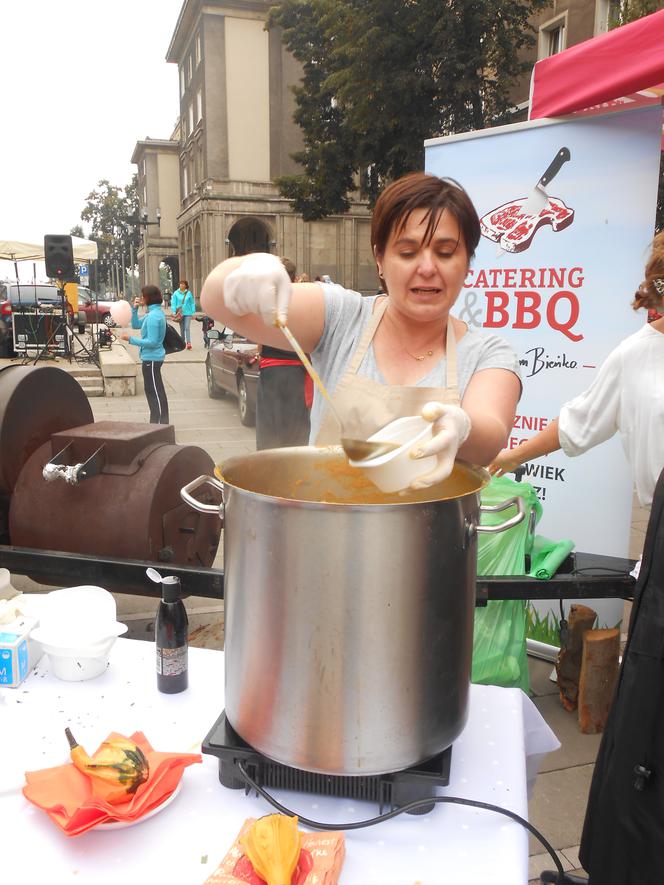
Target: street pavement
{"type": "Point", "coordinates": [558, 804]}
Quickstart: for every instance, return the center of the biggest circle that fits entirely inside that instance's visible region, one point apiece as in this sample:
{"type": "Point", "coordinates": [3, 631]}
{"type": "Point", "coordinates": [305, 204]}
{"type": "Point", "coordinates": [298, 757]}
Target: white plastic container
{"type": "Point", "coordinates": [78, 664]}
{"type": "Point", "coordinates": [396, 470]}
{"type": "Point", "coordinates": [6, 589]}
{"type": "Point", "coordinates": [77, 631]}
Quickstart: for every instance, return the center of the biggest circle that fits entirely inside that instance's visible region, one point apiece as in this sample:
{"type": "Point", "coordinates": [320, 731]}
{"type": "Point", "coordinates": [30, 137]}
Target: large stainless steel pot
{"type": "Point", "coordinates": [349, 612]}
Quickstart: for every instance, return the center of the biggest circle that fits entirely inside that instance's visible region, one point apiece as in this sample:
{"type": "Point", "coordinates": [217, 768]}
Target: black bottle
{"type": "Point", "coordinates": [171, 633]}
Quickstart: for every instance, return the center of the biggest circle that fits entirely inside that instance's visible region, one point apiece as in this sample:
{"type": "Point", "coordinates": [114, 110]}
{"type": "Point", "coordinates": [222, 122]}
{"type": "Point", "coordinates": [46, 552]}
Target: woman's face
{"type": "Point", "coordinates": [423, 280]}
{"type": "Point", "coordinates": [183, 287]}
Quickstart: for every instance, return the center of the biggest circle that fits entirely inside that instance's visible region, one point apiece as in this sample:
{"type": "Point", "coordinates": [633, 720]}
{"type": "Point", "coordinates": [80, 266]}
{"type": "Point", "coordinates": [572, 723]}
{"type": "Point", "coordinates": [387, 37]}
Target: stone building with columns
{"type": "Point", "coordinates": [235, 136]}
{"type": "Point", "coordinates": [158, 164]}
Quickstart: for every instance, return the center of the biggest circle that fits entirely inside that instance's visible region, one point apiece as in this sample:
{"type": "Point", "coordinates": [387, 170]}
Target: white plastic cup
{"type": "Point", "coordinates": [395, 471]}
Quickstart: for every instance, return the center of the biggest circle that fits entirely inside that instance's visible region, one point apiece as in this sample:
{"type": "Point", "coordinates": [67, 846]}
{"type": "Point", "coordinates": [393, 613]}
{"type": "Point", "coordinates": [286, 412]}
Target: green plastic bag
{"type": "Point", "coordinates": [547, 556]}
{"type": "Point", "coordinates": [499, 637]}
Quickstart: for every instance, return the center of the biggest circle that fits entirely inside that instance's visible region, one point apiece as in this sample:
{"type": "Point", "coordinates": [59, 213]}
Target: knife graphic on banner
{"type": "Point", "coordinates": [538, 197]}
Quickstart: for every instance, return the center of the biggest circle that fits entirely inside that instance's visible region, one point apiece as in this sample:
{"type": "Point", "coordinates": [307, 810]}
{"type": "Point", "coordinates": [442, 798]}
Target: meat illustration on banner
{"type": "Point", "coordinates": [514, 225]}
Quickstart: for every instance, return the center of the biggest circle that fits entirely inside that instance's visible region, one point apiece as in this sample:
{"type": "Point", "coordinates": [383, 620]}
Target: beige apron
{"type": "Point", "coordinates": [366, 405]}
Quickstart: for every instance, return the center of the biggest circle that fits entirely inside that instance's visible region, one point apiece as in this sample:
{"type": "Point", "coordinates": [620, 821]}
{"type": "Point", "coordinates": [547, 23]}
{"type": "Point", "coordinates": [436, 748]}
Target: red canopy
{"type": "Point", "coordinates": [619, 68]}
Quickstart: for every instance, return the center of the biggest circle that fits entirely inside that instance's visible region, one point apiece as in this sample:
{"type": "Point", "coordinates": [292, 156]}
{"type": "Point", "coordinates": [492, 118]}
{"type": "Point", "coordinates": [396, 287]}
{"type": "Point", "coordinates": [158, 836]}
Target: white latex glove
{"type": "Point", "coordinates": [451, 428]}
{"type": "Point", "coordinates": [259, 285]}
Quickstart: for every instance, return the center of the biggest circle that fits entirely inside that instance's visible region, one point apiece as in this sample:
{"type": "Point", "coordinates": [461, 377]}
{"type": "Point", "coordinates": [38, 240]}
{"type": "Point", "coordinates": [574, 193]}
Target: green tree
{"type": "Point", "coordinates": [380, 76]}
{"type": "Point", "coordinates": [621, 12]}
{"type": "Point", "coordinates": [112, 214]}
{"type": "Point", "coordinates": [77, 231]}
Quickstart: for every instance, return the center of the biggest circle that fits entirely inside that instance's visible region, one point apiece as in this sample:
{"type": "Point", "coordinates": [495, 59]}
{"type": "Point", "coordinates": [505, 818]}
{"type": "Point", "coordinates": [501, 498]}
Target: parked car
{"type": "Point", "coordinates": [28, 295]}
{"type": "Point", "coordinates": [96, 310]}
{"type": "Point", "coordinates": [232, 368]}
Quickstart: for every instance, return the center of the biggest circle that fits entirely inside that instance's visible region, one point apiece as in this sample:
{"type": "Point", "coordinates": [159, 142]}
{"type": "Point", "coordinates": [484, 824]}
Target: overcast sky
{"type": "Point", "coordinates": [82, 82]}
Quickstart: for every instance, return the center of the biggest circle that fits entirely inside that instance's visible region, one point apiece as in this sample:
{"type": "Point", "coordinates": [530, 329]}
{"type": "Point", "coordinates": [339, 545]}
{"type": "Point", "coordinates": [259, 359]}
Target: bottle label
{"type": "Point", "coordinates": [171, 661]}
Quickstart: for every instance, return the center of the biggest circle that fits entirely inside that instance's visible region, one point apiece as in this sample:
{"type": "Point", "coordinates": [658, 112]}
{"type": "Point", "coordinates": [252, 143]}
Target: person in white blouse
{"type": "Point", "coordinates": [627, 396]}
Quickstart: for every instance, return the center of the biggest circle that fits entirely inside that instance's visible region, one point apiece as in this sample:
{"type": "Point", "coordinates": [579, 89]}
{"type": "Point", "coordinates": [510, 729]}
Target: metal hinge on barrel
{"type": "Point", "coordinates": [60, 468]}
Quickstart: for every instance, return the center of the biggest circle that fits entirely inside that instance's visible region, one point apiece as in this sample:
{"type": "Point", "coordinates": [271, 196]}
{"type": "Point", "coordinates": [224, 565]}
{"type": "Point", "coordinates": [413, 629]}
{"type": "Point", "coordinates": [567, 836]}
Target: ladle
{"type": "Point", "coordinates": [355, 449]}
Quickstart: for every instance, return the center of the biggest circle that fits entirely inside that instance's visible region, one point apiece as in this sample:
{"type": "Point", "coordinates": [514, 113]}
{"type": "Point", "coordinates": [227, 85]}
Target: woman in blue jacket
{"type": "Point", "coordinates": [183, 307]}
{"type": "Point", "coordinates": [151, 349]}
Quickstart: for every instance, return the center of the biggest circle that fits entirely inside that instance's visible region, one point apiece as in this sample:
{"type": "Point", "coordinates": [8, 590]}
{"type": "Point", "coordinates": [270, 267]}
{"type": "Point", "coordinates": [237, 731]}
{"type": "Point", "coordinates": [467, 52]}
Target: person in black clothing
{"type": "Point", "coordinates": [282, 413]}
{"type": "Point", "coordinates": [208, 323]}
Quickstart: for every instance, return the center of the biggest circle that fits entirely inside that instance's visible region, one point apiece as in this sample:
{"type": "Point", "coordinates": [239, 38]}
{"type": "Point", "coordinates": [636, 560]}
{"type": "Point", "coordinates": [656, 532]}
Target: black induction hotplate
{"type": "Point", "coordinates": [391, 790]}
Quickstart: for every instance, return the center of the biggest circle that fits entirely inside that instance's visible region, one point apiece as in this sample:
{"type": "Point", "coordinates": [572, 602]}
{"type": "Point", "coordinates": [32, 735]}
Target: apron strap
{"type": "Point", "coordinates": [451, 356]}
{"type": "Point", "coordinates": [367, 336]}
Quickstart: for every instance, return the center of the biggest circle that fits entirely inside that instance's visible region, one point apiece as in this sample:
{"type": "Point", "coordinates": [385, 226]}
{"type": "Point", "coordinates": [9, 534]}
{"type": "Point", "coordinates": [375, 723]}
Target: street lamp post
{"type": "Point", "coordinates": [145, 223]}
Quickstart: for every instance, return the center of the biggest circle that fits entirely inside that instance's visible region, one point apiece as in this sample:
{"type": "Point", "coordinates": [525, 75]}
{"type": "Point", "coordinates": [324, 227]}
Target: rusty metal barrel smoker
{"type": "Point", "coordinates": [106, 488]}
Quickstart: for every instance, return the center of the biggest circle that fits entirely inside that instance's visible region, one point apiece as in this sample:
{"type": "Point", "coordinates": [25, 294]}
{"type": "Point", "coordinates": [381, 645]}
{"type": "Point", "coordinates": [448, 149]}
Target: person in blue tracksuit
{"type": "Point", "coordinates": [151, 350]}
{"type": "Point", "coordinates": [183, 307]}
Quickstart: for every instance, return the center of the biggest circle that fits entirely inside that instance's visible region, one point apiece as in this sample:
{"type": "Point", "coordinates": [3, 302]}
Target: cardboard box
{"type": "Point", "coordinates": [18, 652]}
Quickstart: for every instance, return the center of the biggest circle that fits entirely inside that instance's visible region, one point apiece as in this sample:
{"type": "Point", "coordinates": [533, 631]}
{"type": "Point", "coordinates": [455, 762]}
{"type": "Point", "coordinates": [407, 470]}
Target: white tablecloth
{"type": "Point", "coordinates": [184, 843]}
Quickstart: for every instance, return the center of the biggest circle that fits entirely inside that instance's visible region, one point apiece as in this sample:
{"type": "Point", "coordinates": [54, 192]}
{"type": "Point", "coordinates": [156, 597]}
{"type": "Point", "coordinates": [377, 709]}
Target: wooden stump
{"type": "Point", "coordinates": [568, 666]}
{"type": "Point", "coordinates": [599, 674]}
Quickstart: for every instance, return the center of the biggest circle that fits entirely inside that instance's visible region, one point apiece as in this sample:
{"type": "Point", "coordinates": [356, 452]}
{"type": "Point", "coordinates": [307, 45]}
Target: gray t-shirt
{"type": "Point", "coordinates": [346, 316]}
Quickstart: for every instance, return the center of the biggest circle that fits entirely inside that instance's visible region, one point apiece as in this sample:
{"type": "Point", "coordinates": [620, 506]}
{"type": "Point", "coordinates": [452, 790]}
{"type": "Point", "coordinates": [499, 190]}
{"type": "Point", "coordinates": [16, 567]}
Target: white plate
{"type": "Point", "coordinates": [121, 824]}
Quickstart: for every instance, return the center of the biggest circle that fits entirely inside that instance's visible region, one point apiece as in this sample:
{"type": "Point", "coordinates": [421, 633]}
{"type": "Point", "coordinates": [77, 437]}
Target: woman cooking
{"type": "Point", "coordinates": [389, 355]}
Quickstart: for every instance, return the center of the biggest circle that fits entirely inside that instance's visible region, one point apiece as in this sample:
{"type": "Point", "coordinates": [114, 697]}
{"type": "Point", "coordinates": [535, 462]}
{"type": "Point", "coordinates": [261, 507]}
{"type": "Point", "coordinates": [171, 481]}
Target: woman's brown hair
{"type": "Point", "coordinates": [650, 293]}
{"type": "Point", "coordinates": [422, 191]}
{"type": "Point", "coordinates": [151, 295]}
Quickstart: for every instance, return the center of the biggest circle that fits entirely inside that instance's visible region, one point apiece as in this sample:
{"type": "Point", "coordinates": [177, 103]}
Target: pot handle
{"type": "Point", "coordinates": [517, 502]}
{"type": "Point", "coordinates": [187, 497]}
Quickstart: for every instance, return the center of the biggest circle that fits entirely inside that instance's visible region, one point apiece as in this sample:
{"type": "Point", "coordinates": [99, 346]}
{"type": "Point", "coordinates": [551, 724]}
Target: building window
{"type": "Point", "coordinates": [199, 106]}
{"type": "Point", "coordinates": [555, 40]}
{"type": "Point", "coordinates": [552, 37]}
{"type": "Point", "coordinates": [189, 68]}
{"type": "Point", "coordinates": [191, 118]}
{"type": "Point", "coordinates": [181, 82]}
{"type": "Point", "coordinates": [185, 181]}
{"type": "Point", "coordinates": [197, 49]}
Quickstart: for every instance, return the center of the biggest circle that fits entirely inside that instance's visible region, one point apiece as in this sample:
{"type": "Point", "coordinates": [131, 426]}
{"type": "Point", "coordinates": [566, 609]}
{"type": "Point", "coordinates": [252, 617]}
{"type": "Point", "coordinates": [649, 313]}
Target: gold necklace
{"type": "Point", "coordinates": [419, 358]}
{"type": "Point", "coordinates": [414, 356]}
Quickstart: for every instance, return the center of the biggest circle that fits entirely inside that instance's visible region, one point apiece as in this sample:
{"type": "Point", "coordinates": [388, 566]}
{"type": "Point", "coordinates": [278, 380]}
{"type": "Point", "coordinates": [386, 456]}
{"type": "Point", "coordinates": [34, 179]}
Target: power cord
{"type": "Point", "coordinates": [410, 806]}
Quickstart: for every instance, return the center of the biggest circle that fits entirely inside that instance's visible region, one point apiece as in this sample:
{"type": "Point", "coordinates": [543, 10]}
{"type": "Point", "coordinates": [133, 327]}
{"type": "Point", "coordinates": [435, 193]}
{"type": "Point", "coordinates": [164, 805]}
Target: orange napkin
{"type": "Point", "coordinates": [65, 793]}
{"type": "Point", "coordinates": [321, 859]}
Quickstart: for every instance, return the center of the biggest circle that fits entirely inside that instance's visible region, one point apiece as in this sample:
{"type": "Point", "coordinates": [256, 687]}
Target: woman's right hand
{"type": "Point", "coordinates": [505, 462]}
{"type": "Point", "coordinates": [260, 285]}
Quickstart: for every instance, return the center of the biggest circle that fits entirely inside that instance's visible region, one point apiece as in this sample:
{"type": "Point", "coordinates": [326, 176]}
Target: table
{"type": "Point", "coordinates": [184, 843]}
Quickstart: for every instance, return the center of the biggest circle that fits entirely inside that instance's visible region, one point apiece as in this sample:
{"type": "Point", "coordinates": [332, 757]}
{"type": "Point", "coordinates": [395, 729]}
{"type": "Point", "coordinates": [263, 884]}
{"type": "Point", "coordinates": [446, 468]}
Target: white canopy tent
{"type": "Point", "coordinates": [13, 250]}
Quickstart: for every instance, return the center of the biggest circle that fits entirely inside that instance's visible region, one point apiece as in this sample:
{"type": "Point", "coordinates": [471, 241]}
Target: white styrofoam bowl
{"type": "Point", "coordinates": [76, 664]}
{"type": "Point", "coordinates": [396, 470]}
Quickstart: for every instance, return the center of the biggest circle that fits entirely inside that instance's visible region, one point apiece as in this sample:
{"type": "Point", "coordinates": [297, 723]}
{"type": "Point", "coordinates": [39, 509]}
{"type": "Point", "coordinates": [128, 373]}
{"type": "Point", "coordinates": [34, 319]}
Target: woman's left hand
{"type": "Point", "coordinates": [125, 336]}
{"type": "Point", "coordinates": [451, 428]}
